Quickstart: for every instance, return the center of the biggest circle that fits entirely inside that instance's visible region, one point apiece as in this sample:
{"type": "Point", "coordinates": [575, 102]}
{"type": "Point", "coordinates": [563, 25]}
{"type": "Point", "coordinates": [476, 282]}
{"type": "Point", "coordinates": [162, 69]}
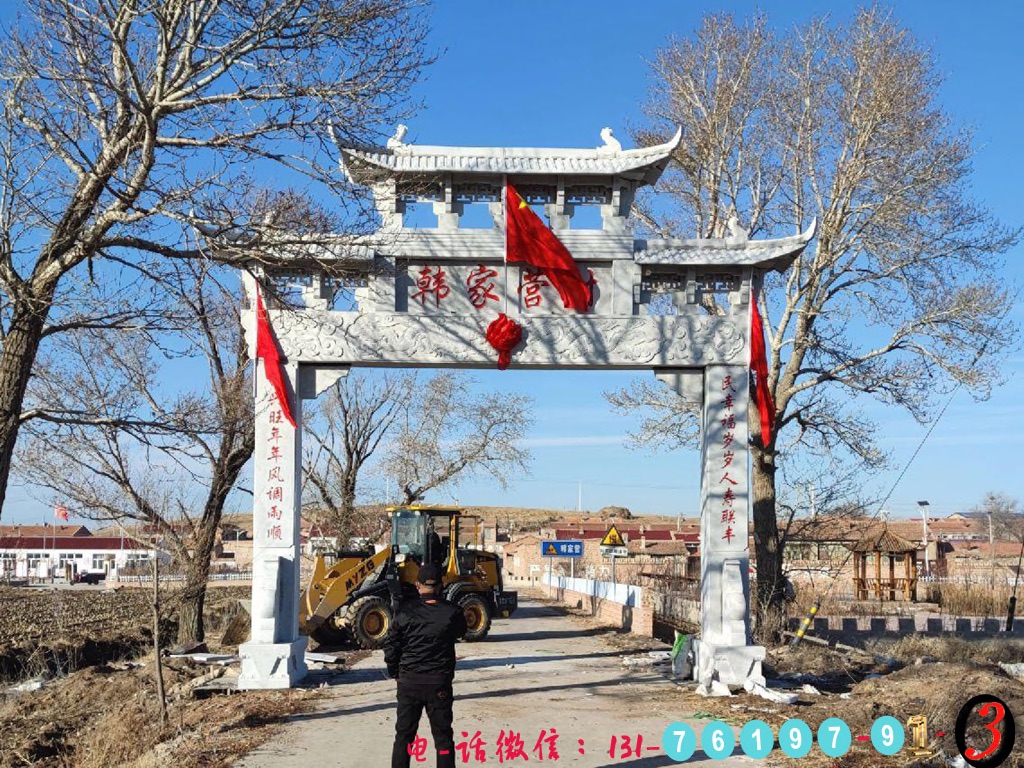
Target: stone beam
{"type": "Point", "coordinates": [567, 341]}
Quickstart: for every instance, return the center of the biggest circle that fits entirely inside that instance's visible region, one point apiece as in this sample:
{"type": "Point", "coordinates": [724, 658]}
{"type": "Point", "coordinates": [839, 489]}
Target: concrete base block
{"type": "Point", "coordinates": [272, 665]}
{"type": "Point", "coordinates": [728, 664]}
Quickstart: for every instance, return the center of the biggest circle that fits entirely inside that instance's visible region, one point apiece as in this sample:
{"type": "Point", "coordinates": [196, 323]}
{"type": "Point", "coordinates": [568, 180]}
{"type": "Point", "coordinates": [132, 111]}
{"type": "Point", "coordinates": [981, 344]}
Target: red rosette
{"type": "Point", "coordinates": [504, 334]}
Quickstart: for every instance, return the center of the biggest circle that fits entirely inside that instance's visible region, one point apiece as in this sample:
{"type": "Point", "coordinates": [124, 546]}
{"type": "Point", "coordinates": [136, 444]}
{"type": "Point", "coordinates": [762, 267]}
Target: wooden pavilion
{"type": "Point", "coordinates": [883, 583]}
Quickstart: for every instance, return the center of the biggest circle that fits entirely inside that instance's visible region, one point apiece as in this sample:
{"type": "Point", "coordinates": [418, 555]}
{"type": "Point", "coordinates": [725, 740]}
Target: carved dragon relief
{"type": "Point", "coordinates": [555, 341]}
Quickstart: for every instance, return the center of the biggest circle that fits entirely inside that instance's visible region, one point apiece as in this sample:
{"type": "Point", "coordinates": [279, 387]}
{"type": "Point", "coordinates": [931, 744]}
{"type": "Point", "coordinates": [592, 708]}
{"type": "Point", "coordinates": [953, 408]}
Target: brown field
{"type": "Point", "coordinates": [99, 709]}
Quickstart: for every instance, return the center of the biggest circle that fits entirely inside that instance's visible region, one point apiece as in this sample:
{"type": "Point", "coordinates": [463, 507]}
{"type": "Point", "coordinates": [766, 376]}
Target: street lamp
{"type": "Point", "coordinates": [924, 527]}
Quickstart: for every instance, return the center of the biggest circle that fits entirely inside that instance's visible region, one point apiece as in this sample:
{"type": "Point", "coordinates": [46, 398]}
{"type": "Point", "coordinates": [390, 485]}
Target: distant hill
{"type": "Point", "coordinates": [519, 518]}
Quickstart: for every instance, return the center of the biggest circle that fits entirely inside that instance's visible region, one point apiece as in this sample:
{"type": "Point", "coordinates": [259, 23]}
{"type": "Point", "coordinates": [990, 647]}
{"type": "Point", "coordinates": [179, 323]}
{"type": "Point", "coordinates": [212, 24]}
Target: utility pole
{"type": "Point", "coordinates": [991, 552]}
{"type": "Point", "coordinates": [924, 538]}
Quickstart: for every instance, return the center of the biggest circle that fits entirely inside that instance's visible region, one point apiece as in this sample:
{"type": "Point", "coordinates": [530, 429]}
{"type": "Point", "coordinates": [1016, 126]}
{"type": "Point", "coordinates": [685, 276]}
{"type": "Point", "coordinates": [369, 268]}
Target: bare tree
{"type": "Point", "coordinates": [114, 439]}
{"type": "Point", "coordinates": [898, 298]}
{"type": "Point", "coordinates": [447, 432]}
{"type": "Point", "coordinates": [344, 433]}
{"type": "Point", "coordinates": [130, 127]}
{"type": "Point", "coordinates": [1005, 515]}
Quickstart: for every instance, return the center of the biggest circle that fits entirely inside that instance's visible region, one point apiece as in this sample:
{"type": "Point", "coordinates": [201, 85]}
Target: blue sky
{"type": "Point", "coordinates": [542, 73]}
{"type": "Point", "coordinates": [536, 73]}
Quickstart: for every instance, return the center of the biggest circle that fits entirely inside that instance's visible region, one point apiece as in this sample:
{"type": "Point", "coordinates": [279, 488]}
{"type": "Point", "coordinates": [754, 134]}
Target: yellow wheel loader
{"type": "Point", "coordinates": [354, 598]}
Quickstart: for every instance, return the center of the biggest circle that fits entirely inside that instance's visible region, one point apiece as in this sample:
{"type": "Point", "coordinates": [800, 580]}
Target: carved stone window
{"type": "Point", "coordinates": [588, 194]}
{"type": "Point", "coordinates": [416, 192]}
{"type": "Point", "coordinates": [476, 193]}
{"type": "Point", "coordinates": [663, 281]}
{"type": "Point", "coordinates": [537, 194]}
{"type": "Point", "coordinates": [718, 282]}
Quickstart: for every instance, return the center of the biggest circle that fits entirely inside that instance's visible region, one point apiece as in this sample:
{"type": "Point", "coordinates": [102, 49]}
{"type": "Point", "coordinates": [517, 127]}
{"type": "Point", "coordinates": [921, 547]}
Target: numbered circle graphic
{"type": "Point", "coordinates": [795, 738]}
{"type": "Point", "coordinates": [679, 741]}
{"type": "Point", "coordinates": [834, 737]}
{"type": "Point", "coordinates": [757, 739]}
{"type": "Point", "coordinates": [887, 735]}
{"type": "Point", "coordinates": [985, 731]}
{"type": "Point", "coordinates": [717, 740]}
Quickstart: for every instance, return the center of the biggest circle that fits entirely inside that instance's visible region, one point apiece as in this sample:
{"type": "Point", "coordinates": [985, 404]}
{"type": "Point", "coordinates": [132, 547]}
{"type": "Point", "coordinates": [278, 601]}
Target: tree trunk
{"type": "Point", "coordinates": [193, 597]}
{"type": "Point", "coordinates": [158, 664]}
{"type": "Point", "coordinates": [20, 347]}
{"type": "Point", "coordinates": [348, 510]}
{"type": "Point", "coordinates": [770, 596]}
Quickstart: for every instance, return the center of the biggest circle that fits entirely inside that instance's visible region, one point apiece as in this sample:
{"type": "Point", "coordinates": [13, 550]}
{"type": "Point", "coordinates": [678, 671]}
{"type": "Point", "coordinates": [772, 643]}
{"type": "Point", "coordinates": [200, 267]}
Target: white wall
{"type": "Point", "coordinates": [626, 594]}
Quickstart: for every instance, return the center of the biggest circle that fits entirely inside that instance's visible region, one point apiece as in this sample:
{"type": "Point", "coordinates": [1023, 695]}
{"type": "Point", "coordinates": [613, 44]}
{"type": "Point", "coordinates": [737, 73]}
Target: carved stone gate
{"type": "Point", "coordinates": [423, 297]}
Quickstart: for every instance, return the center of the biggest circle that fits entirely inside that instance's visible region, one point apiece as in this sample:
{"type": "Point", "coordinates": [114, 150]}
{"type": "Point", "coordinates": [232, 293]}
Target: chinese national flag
{"type": "Point", "coordinates": [61, 513]}
{"type": "Point", "coordinates": [266, 348]}
{"type": "Point", "coordinates": [529, 241]}
{"type": "Point", "coordinates": [759, 364]}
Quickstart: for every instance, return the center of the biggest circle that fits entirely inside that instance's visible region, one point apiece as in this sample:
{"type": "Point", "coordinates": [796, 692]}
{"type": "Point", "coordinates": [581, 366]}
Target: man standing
{"type": "Point", "coordinates": [420, 654]}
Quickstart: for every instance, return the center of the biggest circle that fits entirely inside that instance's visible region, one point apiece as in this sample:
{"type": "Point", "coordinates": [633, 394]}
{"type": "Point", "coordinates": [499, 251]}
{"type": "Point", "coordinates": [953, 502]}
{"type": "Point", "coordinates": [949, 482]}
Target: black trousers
{"type": "Point", "coordinates": [413, 698]}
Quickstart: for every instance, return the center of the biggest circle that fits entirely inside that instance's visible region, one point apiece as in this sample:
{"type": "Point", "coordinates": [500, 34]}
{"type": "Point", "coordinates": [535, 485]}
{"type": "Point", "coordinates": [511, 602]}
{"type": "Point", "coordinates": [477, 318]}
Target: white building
{"type": "Point", "coordinates": [32, 557]}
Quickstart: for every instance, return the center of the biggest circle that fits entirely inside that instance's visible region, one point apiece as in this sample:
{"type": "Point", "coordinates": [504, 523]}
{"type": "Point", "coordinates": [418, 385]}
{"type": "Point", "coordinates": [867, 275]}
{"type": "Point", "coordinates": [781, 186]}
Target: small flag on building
{"type": "Point", "coordinates": [61, 513]}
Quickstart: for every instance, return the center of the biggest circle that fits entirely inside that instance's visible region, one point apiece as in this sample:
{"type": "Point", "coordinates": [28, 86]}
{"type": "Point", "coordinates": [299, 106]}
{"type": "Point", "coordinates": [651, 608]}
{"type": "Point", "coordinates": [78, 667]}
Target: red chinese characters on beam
{"type": "Point", "coordinates": [481, 286]}
{"type": "Point", "coordinates": [591, 283]}
{"type": "Point", "coordinates": [530, 288]}
{"type": "Point", "coordinates": [432, 284]}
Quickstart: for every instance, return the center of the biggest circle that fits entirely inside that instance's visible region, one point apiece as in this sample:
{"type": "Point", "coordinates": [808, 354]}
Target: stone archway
{"type": "Point", "coordinates": [416, 307]}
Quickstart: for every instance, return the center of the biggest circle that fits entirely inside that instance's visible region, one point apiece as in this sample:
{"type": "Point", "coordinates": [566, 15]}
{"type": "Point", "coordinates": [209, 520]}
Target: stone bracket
{"type": "Point", "coordinates": [688, 383]}
{"type": "Point", "coordinates": [728, 664]}
{"type": "Point", "coordinates": [272, 665]}
{"type": "Point", "coordinates": [314, 380]}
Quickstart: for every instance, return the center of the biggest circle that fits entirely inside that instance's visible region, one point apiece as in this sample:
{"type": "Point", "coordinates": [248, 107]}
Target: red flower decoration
{"type": "Point", "coordinates": [504, 334]}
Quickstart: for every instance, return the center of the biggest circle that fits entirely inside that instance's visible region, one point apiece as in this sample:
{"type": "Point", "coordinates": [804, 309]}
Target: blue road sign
{"type": "Point", "coordinates": [561, 548]}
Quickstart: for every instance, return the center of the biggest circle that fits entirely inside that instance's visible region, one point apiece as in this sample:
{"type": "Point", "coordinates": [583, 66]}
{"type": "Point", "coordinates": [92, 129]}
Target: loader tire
{"type": "Point", "coordinates": [369, 621]}
{"type": "Point", "coordinates": [478, 617]}
{"type": "Point", "coordinates": [333, 632]}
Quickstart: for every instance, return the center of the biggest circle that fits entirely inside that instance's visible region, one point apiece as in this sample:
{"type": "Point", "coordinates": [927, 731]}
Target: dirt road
{"type": "Point", "coordinates": [539, 671]}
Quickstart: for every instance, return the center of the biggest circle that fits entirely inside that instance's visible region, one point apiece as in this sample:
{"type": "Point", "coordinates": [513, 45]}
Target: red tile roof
{"type": "Point", "coordinates": [37, 543]}
{"type": "Point", "coordinates": [41, 530]}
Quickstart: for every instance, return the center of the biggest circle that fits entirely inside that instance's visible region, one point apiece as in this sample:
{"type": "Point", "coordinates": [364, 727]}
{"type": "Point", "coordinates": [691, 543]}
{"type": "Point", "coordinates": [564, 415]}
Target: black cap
{"type": "Point", "coordinates": [429, 575]}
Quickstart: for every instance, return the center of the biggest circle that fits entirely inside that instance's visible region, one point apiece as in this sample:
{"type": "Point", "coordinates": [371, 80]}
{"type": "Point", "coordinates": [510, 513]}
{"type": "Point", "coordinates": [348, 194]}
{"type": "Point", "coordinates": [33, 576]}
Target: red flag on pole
{"type": "Point", "coordinates": [529, 241]}
{"type": "Point", "coordinates": [266, 348]}
{"type": "Point", "coordinates": [759, 364]}
{"type": "Point", "coordinates": [61, 513]}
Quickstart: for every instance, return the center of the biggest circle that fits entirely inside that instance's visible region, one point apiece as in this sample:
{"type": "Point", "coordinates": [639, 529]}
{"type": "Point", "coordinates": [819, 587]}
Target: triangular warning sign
{"type": "Point", "coordinates": [551, 550]}
{"type": "Point", "coordinates": [613, 538]}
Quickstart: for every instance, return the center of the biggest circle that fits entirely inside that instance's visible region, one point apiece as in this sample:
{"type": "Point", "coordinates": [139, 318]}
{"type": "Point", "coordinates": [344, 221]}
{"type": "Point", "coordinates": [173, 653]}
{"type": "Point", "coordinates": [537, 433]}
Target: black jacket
{"type": "Point", "coordinates": [420, 647]}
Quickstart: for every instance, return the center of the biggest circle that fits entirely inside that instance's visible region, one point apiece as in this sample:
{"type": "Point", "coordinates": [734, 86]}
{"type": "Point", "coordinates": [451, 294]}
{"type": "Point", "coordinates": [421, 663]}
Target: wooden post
{"type": "Point", "coordinates": [856, 575]}
{"type": "Point", "coordinates": [878, 574]}
{"type": "Point", "coordinates": [913, 579]}
{"type": "Point", "coordinates": [892, 577]}
{"type": "Point", "coordinates": [911, 557]}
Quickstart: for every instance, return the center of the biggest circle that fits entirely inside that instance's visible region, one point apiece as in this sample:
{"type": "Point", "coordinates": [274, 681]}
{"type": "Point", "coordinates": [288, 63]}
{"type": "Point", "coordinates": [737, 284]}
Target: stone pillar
{"type": "Point", "coordinates": [724, 653]}
{"type": "Point", "coordinates": [274, 655]}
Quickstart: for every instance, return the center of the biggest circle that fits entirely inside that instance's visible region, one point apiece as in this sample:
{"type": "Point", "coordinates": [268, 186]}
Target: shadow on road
{"type": "Point", "coordinates": [547, 634]}
{"type": "Point", "coordinates": [504, 661]}
{"type": "Point", "coordinates": [503, 693]}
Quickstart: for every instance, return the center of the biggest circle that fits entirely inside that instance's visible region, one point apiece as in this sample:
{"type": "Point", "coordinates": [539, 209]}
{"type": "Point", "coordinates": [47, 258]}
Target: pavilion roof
{"type": "Point", "coordinates": [364, 164]}
{"type": "Point", "coordinates": [884, 540]}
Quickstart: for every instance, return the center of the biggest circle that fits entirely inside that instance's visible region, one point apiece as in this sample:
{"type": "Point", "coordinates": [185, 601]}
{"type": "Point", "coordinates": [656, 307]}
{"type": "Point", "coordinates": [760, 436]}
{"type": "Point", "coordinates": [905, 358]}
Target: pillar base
{"type": "Point", "coordinates": [727, 664]}
{"type": "Point", "coordinates": [272, 665]}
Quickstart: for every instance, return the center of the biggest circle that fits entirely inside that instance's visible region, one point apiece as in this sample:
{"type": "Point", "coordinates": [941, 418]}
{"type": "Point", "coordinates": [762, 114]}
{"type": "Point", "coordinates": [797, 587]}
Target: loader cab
{"type": "Point", "coordinates": [436, 535]}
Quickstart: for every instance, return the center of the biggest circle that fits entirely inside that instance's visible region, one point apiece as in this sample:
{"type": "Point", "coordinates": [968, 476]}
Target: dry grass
{"type": "Point", "coordinates": [952, 599]}
{"type": "Point", "coordinates": [107, 716]}
{"type": "Point", "coordinates": [972, 599]}
{"type": "Point", "coordinates": [951, 649]}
